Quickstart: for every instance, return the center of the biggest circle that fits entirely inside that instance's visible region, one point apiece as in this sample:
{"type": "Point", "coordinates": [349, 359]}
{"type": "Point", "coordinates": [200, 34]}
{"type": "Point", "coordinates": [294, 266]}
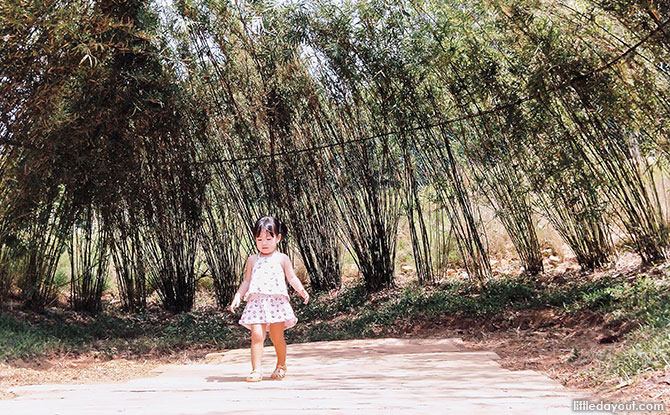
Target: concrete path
{"type": "Point", "coordinates": [379, 376]}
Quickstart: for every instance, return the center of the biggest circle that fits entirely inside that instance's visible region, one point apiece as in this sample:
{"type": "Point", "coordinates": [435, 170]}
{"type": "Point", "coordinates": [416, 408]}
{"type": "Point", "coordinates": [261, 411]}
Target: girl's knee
{"type": "Point", "coordinates": [277, 338]}
{"type": "Point", "coordinates": [258, 334]}
{"type": "Point", "coordinates": [277, 332]}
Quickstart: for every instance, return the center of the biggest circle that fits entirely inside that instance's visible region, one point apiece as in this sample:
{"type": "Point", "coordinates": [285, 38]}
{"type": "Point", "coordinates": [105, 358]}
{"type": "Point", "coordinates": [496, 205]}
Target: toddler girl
{"type": "Point", "coordinates": [268, 308]}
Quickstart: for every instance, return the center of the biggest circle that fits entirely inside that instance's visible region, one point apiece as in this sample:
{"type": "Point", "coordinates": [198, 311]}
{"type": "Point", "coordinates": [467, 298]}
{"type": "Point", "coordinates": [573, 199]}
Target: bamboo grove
{"type": "Point", "coordinates": [139, 141]}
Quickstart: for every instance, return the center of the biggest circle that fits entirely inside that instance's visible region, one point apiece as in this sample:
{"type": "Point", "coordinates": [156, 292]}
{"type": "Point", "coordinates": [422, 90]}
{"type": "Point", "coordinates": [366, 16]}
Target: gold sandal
{"type": "Point", "coordinates": [279, 372]}
{"type": "Point", "coordinates": [255, 376]}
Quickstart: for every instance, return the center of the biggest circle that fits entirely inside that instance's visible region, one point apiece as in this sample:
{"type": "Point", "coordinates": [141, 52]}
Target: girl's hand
{"type": "Point", "coordinates": [304, 295]}
{"type": "Point", "coordinates": [235, 303]}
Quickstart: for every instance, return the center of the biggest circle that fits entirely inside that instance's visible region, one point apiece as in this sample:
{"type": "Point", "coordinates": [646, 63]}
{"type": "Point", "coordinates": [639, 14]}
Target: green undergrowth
{"type": "Point", "coordinates": [352, 313]}
{"type": "Point", "coordinates": [648, 348]}
{"type": "Point", "coordinates": [644, 299]}
{"type": "Point", "coordinates": [26, 335]}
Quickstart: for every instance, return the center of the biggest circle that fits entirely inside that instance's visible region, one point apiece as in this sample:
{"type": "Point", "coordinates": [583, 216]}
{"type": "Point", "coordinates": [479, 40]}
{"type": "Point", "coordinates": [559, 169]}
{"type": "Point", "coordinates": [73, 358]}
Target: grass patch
{"type": "Point", "coordinates": [27, 335]}
{"type": "Point", "coordinates": [643, 299]}
{"type": "Point", "coordinates": [649, 348]}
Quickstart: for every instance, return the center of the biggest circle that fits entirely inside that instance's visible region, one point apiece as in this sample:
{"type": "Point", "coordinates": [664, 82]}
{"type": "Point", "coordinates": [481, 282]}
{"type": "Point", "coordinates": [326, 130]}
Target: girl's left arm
{"type": "Point", "coordinates": [292, 278]}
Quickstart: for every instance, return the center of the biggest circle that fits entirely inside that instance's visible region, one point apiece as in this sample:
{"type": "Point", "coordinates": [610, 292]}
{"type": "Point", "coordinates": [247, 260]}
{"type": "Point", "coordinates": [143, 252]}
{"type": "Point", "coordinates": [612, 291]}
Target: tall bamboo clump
{"type": "Point", "coordinates": [235, 198]}
{"type": "Point", "coordinates": [599, 120]}
{"type": "Point", "coordinates": [412, 89]}
{"type": "Point", "coordinates": [466, 88]}
{"type": "Point", "coordinates": [297, 180]}
{"type": "Point", "coordinates": [222, 239]}
{"type": "Point", "coordinates": [317, 239]}
{"type": "Point", "coordinates": [637, 124]}
{"type": "Point", "coordinates": [7, 237]}
{"type": "Point", "coordinates": [44, 235]}
{"type": "Point", "coordinates": [393, 67]}
{"type": "Point", "coordinates": [365, 177]}
{"type": "Point", "coordinates": [252, 74]}
{"type": "Point", "coordinates": [523, 137]}
{"type": "Point", "coordinates": [88, 98]}
{"type": "Point", "coordinates": [155, 219]}
{"type": "Point", "coordinates": [506, 192]}
{"type": "Point", "coordinates": [564, 190]}
{"type": "Point", "coordinates": [88, 250]}
{"type": "Point", "coordinates": [486, 142]}
{"type": "Point", "coordinates": [455, 194]}
{"type": "Point", "coordinates": [308, 203]}
{"type": "Point", "coordinates": [173, 214]}
{"type": "Point", "coordinates": [170, 242]}
{"type": "Point", "coordinates": [35, 212]}
{"type": "Point", "coordinates": [173, 204]}
{"type": "Point", "coordinates": [127, 252]}
{"type": "Point", "coordinates": [569, 197]}
{"type": "Point", "coordinates": [494, 159]}
{"type": "Point", "coordinates": [366, 184]}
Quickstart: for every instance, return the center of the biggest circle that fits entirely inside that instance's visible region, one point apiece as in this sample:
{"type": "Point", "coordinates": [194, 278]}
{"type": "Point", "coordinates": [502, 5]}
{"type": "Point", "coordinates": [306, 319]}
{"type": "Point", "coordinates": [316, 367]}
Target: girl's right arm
{"type": "Point", "coordinates": [244, 286]}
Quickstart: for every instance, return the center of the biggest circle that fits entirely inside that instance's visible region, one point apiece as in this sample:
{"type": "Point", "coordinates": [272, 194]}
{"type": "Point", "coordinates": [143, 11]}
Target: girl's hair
{"type": "Point", "coordinates": [271, 225]}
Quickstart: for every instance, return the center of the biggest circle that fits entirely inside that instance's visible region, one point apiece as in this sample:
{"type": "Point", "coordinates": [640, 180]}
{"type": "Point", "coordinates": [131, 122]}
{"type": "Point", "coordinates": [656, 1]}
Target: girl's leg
{"type": "Point", "coordinates": [277, 337]}
{"type": "Point", "coordinates": [257, 339]}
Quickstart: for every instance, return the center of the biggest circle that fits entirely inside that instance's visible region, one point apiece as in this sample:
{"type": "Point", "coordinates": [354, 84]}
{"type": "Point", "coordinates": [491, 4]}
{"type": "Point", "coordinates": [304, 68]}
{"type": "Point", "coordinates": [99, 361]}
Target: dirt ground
{"type": "Point", "coordinates": [75, 370]}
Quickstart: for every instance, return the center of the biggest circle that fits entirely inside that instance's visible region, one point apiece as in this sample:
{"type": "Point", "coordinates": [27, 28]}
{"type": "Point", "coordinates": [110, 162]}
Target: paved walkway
{"type": "Point", "coordinates": [379, 376]}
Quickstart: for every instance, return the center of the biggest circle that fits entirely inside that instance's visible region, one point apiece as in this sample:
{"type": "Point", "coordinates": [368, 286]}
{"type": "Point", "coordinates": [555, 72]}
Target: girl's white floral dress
{"type": "Point", "coordinates": [267, 298]}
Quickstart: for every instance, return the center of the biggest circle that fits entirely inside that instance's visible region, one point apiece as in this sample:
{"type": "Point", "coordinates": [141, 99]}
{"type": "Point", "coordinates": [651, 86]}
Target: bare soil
{"type": "Point", "coordinates": [69, 369]}
{"type": "Point", "coordinates": [87, 368]}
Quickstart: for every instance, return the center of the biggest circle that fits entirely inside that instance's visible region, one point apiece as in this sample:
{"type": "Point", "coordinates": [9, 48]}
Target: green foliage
{"type": "Point", "coordinates": [347, 300]}
{"type": "Point", "coordinates": [21, 340]}
{"type": "Point", "coordinates": [649, 349]}
{"type": "Point", "coordinates": [54, 333]}
{"type": "Point", "coordinates": [644, 300]}
{"type": "Point", "coordinates": [90, 109]}
{"type": "Point", "coordinates": [202, 328]}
